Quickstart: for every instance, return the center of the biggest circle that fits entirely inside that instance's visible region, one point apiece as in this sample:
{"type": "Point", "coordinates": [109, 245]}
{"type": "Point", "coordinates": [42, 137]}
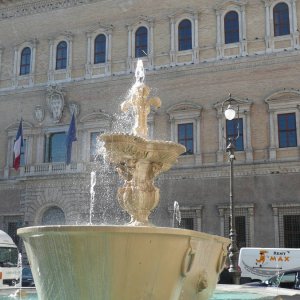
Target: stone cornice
{"type": "Point", "coordinates": [34, 7]}
{"type": "Point", "coordinates": [240, 170]}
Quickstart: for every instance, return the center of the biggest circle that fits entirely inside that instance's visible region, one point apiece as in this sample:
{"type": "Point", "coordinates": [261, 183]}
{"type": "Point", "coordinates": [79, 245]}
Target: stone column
{"type": "Point", "coordinates": [15, 70]}
{"type": "Point", "coordinates": [40, 147]}
{"type": "Point", "coordinates": [251, 225]}
{"type": "Point", "coordinates": [51, 61]}
{"type": "Point", "coordinates": [129, 49]}
{"type": "Point", "coordinates": [268, 28]}
{"type": "Point", "coordinates": [276, 227]}
{"type": "Point", "coordinates": [295, 31]}
{"type": "Point", "coordinates": [196, 40]}
{"type": "Point", "coordinates": [197, 138]}
{"type": "Point", "coordinates": [88, 71]}
{"type": "Point", "coordinates": [172, 52]}
{"type": "Point", "coordinates": [108, 69]}
{"type": "Point", "coordinates": [222, 221]}
{"type": "Point", "coordinates": [70, 58]}
{"type": "Point", "coordinates": [220, 153]}
{"type": "Point", "coordinates": [151, 46]}
{"type": "Point", "coordinates": [244, 50]}
{"type": "Point", "coordinates": [198, 220]}
{"type": "Point", "coordinates": [47, 139]}
{"type": "Point", "coordinates": [248, 144]}
{"type": "Point", "coordinates": [219, 46]}
{"type": "Point", "coordinates": [272, 149]}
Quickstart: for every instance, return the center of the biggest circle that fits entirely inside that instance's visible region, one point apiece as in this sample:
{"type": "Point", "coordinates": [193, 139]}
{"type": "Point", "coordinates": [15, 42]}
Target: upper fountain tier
{"type": "Point", "coordinates": [138, 159]}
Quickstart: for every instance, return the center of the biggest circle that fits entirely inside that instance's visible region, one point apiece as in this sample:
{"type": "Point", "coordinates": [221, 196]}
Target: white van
{"type": "Point", "coordinates": [10, 262]}
{"type": "Point", "coordinates": [262, 263]}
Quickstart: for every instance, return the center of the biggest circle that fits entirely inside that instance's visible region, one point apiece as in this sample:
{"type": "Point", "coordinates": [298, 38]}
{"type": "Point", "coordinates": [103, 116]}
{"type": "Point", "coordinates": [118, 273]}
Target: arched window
{"type": "Point", "coordinates": [53, 216]}
{"type": "Point", "coordinates": [231, 27]}
{"type": "Point", "coordinates": [141, 42]}
{"type": "Point", "coordinates": [281, 19]}
{"type": "Point", "coordinates": [185, 35]}
{"type": "Point", "coordinates": [25, 61]}
{"type": "Point", "coordinates": [61, 55]}
{"type": "Point", "coordinates": [100, 49]}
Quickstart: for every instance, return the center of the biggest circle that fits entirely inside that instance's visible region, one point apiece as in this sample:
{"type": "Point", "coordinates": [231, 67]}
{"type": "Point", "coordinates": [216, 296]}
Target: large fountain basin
{"type": "Point", "coordinates": [123, 263]}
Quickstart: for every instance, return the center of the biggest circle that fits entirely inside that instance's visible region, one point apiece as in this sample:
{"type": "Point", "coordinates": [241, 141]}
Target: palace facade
{"type": "Point", "coordinates": [61, 57]}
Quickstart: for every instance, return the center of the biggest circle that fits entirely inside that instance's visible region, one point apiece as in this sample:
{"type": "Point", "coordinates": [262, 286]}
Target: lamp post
{"type": "Point", "coordinates": [230, 108]}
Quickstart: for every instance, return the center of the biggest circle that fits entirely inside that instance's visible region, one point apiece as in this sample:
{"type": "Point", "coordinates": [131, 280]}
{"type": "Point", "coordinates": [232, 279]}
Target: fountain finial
{"type": "Point", "coordinates": [138, 100]}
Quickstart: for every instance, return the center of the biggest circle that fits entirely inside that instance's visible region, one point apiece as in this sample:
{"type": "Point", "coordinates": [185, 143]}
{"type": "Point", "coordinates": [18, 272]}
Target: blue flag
{"type": "Point", "coordinates": [71, 137]}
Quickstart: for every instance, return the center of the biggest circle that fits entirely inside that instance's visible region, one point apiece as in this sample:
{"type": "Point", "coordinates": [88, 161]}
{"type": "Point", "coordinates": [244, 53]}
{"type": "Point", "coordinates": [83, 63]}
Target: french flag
{"type": "Point", "coordinates": [17, 147]}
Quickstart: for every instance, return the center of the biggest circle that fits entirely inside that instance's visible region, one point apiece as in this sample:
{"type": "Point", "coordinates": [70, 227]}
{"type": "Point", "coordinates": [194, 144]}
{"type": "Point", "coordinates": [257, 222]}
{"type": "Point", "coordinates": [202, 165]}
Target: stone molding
{"type": "Point", "coordinates": [35, 7]}
{"type": "Point", "coordinates": [241, 170]}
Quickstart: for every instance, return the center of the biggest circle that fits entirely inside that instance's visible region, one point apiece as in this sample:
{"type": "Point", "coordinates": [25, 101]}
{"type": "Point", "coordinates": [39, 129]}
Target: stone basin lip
{"type": "Point", "coordinates": [60, 229]}
{"type": "Point", "coordinates": [125, 136]}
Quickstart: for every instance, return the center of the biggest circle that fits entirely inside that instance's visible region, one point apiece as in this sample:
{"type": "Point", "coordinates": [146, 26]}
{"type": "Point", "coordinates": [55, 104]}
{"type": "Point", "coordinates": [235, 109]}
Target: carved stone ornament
{"type": "Point", "coordinates": [55, 101]}
{"type": "Point", "coordinates": [39, 113]}
{"type": "Point", "coordinates": [74, 108]}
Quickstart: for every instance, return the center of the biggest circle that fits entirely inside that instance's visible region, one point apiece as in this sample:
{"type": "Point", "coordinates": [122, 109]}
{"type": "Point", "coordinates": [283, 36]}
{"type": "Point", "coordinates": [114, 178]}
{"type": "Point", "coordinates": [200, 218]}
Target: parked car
{"type": "Point", "coordinates": [27, 278]}
{"type": "Point", "coordinates": [288, 279]}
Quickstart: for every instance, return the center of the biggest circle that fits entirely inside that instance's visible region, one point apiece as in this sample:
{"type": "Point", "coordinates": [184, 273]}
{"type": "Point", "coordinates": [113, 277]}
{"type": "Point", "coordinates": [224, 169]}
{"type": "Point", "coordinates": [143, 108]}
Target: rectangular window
{"type": "Point", "coordinates": [291, 226]}
{"type": "Point", "coordinates": [186, 137]}
{"type": "Point", "coordinates": [234, 128]}
{"type": "Point", "coordinates": [240, 229]}
{"type": "Point", "coordinates": [187, 223]}
{"type": "Point", "coordinates": [240, 226]}
{"type": "Point", "coordinates": [57, 147]}
{"type": "Point", "coordinates": [287, 132]}
{"type": "Point", "coordinates": [94, 144]}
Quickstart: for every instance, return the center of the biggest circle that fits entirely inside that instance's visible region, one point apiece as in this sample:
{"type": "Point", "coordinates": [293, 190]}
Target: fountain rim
{"type": "Point", "coordinates": [61, 229]}
{"type": "Point", "coordinates": [125, 136]}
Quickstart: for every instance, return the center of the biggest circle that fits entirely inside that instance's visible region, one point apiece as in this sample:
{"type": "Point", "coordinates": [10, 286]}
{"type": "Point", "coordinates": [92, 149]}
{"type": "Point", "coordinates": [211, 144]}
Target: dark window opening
{"type": "Point", "coordinates": [186, 137]}
{"type": "Point", "coordinates": [141, 42]}
{"type": "Point", "coordinates": [25, 61]}
{"type": "Point", "coordinates": [291, 224]}
{"type": "Point", "coordinates": [240, 226]}
{"type": "Point", "coordinates": [281, 19]}
{"type": "Point", "coordinates": [57, 147]}
{"type": "Point", "coordinates": [233, 129]}
{"type": "Point", "coordinates": [61, 56]}
{"type": "Point", "coordinates": [187, 223]}
{"type": "Point", "coordinates": [100, 49]}
{"type": "Point", "coordinates": [185, 35]}
{"type": "Point", "coordinates": [231, 27]}
{"type": "Point", "coordinates": [287, 132]}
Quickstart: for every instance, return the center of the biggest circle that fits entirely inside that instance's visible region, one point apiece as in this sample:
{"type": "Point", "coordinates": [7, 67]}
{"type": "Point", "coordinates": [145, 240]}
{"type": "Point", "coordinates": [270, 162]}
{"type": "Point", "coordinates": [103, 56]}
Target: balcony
{"type": "Point", "coordinates": [44, 169]}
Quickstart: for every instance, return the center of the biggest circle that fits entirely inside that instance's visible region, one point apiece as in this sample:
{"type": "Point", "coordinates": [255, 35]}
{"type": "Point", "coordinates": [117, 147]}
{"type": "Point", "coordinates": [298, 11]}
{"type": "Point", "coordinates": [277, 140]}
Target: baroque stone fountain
{"type": "Point", "coordinates": [136, 262]}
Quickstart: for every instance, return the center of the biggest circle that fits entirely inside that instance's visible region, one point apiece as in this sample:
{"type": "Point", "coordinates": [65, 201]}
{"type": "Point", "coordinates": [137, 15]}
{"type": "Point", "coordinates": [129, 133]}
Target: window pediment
{"type": "Point", "coordinates": [227, 3]}
{"type": "Point", "coordinates": [12, 128]}
{"type": "Point", "coordinates": [284, 99]}
{"type": "Point", "coordinates": [141, 20]}
{"type": "Point", "coordinates": [244, 105]}
{"type": "Point", "coordinates": [100, 28]}
{"type": "Point", "coordinates": [182, 13]}
{"type": "Point", "coordinates": [96, 117]}
{"type": "Point", "coordinates": [184, 110]}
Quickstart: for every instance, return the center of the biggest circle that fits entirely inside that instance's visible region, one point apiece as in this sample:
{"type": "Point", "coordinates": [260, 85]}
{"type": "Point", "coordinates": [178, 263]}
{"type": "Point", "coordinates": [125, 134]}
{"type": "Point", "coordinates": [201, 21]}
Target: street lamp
{"type": "Point", "coordinates": [230, 108]}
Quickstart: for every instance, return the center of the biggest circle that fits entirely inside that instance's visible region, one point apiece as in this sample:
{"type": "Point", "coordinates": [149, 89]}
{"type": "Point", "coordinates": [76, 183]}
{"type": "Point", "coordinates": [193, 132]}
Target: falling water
{"type": "Point", "coordinates": [92, 192]}
{"type": "Point", "coordinates": [176, 214]}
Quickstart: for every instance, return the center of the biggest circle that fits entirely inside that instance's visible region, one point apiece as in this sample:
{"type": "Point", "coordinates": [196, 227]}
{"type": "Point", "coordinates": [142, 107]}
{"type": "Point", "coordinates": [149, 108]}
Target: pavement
{"type": "Point", "coordinates": [261, 292]}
